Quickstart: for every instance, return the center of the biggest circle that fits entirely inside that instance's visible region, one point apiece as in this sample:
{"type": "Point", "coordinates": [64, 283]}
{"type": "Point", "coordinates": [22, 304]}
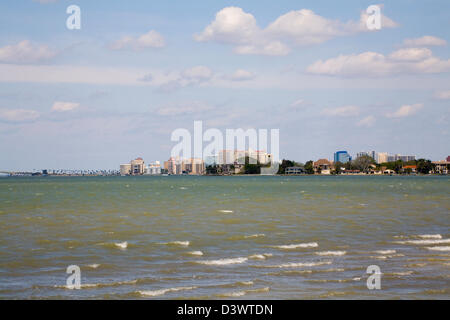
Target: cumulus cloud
{"type": "Point", "coordinates": [64, 106]}
{"type": "Point", "coordinates": [345, 111]}
{"type": "Point", "coordinates": [444, 95]}
{"type": "Point", "coordinates": [151, 39]}
{"type": "Point", "coordinates": [242, 75]}
{"type": "Point", "coordinates": [373, 64]}
{"type": "Point", "coordinates": [405, 111]}
{"type": "Point", "coordinates": [18, 115]}
{"type": "Point", "coordinates": [25, 52]}
{"type": "Point", "coordinates": [368, 121]}
{"type": "Point", "coordinates": [188, 77]}
{"type": "Point", "coordinates": [425, 41]}
{"type": "Point", "coordinates": [234, 26]}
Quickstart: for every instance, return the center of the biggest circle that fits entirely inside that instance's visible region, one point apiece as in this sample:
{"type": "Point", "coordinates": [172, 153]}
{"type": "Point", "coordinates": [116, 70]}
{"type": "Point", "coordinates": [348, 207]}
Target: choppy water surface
{"type": "Point", "coordinates": [225, 237]}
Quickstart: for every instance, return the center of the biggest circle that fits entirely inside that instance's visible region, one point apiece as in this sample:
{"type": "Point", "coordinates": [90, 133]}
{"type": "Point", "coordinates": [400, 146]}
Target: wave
{"type": "Point", "coordinates": [226, 211]}
{"type": "Point", "coordinates": [301, 264]}
{"type": "Point", "coordinates": [195, 253]}
{"type": "Point", "coordinates": [298, 245]}
{"type": "Point", "coordinates": [430, 236]}
{"type": "Point", "coordinates": [100, 285]}
{"type": "Point", "coordinates": [163, 291]}
{"type": "Point", "coordinates": [383, 252]}
{"type": "Point", "coordinates": [437, 241]}
{"type": "Point", "coordinates": [255, 236]}
{"type": "Point", "coordinates": [178, 243]}
{"type": "Point", "coordinates": [94, 265]}
{"type": "Point", "coordinates": [260, 256]}
{"type": "Point", "coordinates": [331, 253]}
{"type": "Point", "coordinates": [243, 293]}
{"type": "Point", "coordinates": [225, 261]}
{"type": "Point", "coordinates": [121, 245]}
{"type": "Point", "coordinates": [438, 248]}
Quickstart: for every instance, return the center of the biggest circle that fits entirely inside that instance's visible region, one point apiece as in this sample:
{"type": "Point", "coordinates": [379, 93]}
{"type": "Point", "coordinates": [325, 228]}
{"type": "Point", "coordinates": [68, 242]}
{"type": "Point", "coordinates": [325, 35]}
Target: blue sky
{"type": "Point", "coordinates": [137, 70]}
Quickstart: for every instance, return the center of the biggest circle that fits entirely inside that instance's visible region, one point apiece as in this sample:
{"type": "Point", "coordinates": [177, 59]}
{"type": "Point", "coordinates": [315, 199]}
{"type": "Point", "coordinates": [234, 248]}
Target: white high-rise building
{"type": "Point", "coordinates": [153, 168]}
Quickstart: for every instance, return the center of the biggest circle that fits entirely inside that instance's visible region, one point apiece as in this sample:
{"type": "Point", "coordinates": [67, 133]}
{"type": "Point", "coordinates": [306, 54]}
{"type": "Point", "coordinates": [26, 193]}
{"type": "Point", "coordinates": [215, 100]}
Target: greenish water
{"type": "Point", "coordinates": [261, 237]}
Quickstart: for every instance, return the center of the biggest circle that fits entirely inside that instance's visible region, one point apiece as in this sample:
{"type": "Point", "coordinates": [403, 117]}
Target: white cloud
{"type": "Point", "coordinates": [411, 54]}
{"type": "Point", "coordinates": [25, 52]}
{"type": "Point", "coordinates": [297, 103]}
{"type": "Point", "coordinates": [368, 121]}
{"type": "Point", "coordinates": [151, 39]}
{"type": "Point", "coordinates": [302, 27]}
{"type": "Point", "coordinates": [242, 75]}
{"type": "Point", "coordinates": [64, 106]}
{"type": "Point", "coordinates": [425, 41]}
{"type": "Point", "coordinates": [192, 76]}
{"type": "Point", "coordinates": [345, 111]}
{"type": "Point", "coordinates": [183, 109]}
{"type": "Point", "coordinates": [444, 95]}
{"type": "Point", "coordinates": [405, 111]}
{"type": "Point", "coordinates": [372, 64]}
{"type": "Point", "coordinates": [18, 115]}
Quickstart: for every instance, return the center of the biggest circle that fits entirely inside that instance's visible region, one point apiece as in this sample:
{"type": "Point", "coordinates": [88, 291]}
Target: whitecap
{"type": "Point", "coordinates": [121, 245]}
{"type": "Point", "coordinates": [438, 248]}
{"type": "Point", "coordinates": [196, 253]}
{"type": "Point", "coordinates": [298, 245]}
{"type": "Point", "coordinates": [255, 235]}
{"type": "Point", "coordinates": [430, 236]}
{"type": "Point", "coordinates": [244, 292]}
{"type": "Point", "coordinates": [438, 241]}
{"type": "Point", "coordinates": [178, 243]}
{"type": "Point", "coordinates": [383, 252]}
{"type": "Point", "coordinates": [301, 264]}
{"type": "Point", "coordinates": [226, 211]}
{"type": "Point", "coordinates": [163, 291]}
{"type": "Point", "coordinates": [225, 261]}
{"type": "Point", "coordinates": [94, 265]}
{"type": "Point", "coordinates": [331, 253]}
{"type": "Point", "coordinates": [260, 256]}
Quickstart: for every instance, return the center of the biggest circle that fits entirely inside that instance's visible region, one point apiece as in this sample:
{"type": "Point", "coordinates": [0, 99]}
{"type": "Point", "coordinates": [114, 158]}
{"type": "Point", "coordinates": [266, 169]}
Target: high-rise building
{"type": "Point", "coordinates": [396, 157]}
{"type": "Point", "coordinates": [154, 168]}
{"type": "Point", "coordinates": [125, 169]}
{"type": "Point", "coordinates": [381, 157]}
{"type": "Point", "coordinates": [342, 156]}
{"type": "Point", "coordinates": [137, 166]}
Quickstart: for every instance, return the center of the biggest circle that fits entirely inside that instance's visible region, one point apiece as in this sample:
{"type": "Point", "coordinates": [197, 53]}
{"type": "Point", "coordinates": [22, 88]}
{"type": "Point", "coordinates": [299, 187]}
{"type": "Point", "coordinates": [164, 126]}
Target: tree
{"type": "Point", "coordinates": [363, 163]}
{"type": "Point", "coordinates": [424, 166]}
{"type": "Point", "coordinates": [285, 164]}
{"type": "Point", "coordinates": [309, 167]}
{"type": "Point", "coordinates": [251, 168]}
{"type": "Point", "coordinates": [337, 167]}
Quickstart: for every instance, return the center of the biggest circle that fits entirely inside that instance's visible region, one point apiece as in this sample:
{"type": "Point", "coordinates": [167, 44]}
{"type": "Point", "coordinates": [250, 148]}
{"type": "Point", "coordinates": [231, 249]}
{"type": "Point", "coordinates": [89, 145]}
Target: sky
{"type": "Point", "coordinates": [114, 90]}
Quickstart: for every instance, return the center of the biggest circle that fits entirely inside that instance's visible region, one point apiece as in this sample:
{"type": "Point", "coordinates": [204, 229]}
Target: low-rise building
{"type": "Point", "coordinates": [441, 167]}
{"type": "Point", "coordinates": [153, 168]}
{"type": "Point", "coordinates": [294, 170]}
{"type": "Point", "coordinates": [322, 166]}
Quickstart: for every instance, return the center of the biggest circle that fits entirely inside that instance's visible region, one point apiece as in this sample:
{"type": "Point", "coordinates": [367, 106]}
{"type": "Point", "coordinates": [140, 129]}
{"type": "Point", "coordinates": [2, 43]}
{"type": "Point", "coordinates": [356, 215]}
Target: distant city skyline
{"type": "Point", "coordinates": [114, 90]}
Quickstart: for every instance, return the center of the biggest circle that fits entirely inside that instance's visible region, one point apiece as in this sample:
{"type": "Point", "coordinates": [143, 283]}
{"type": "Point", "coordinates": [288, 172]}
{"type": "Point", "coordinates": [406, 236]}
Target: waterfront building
{"type": "Point", "coordinates": [381, 157]}
{"type": "Point", "coordinates": [193, 166]}
{"type": "Point", "coordinates": [322, 166]}
{"type": "Point", "coordinates": [294, 170]}
{"type": "Point", "coordinates": [137, 166]}
{"type": "Point", "coordinates": [448, 159]}
{"type": "Point", "coordinates": [125, 169]}
{"type": "Point", "coordinates": [441, 167]}
{"type": "Point", "coordinates": [153, 168]}
{"type": "Point", "coordinates": [342, 156]}
{"type": "Point", "coordinates": [396, 157]}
